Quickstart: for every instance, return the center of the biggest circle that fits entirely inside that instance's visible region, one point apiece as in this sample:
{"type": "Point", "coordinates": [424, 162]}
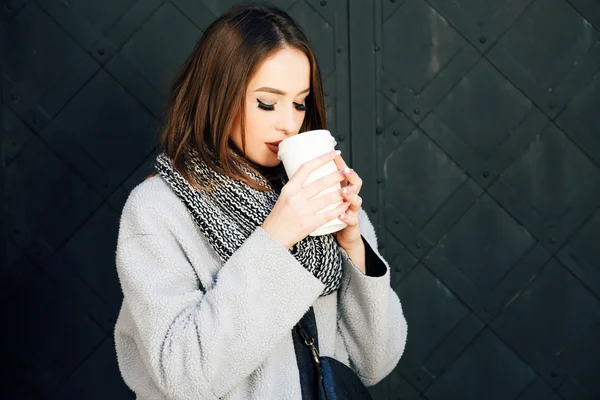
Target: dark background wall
{"type": "Point", "coordinates": [474, 123]}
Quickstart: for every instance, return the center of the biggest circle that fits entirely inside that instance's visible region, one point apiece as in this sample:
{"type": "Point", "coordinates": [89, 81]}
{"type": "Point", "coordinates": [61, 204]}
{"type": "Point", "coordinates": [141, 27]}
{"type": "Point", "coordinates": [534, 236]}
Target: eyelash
{"type": "Point", "coordinates": [271, 107]}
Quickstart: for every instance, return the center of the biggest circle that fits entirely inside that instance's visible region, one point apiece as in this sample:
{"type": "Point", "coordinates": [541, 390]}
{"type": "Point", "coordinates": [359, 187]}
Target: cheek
{"type": "Point", "coordinates": [300, 120]}
{"type": "Point", "coordinates": [258, 125]}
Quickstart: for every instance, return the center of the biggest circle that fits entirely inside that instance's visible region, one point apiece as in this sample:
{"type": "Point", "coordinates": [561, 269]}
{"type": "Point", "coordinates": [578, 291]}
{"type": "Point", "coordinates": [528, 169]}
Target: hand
{"type": "Point", "coordinates": [294, 215]}
{"type": "Point", "coordinates": [349, 238]}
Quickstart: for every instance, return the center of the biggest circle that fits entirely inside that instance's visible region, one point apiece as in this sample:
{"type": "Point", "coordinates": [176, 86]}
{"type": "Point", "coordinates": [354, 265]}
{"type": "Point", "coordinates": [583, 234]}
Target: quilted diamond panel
{"type": "Point", "coordinates": [484, 123]}
{"type": "Point", "coordinates": [47, 67]}
{"type": "Point", "coordinates": [84, 133]}
{"type": "Point", "coordinates": [47, 201]}
{"type": "Point", "coordinates": [485, 21]}
{"type": "Point", "coordinates": [497, 373]}
{"type": "Point", "coordinates": [527, 54]}
{"type": "Point", "coordinates": [446, 334]}
{"type": "Point", "coordinates": [547, 323]}
{"type": "Point", "coordinates": [581, 120]}
{"type": "Point", "coordinates": [439, 57]}
{"type": "Point", "coordinates": [486, 258]}
{"type": "Point", "coordinates": [551, 188]}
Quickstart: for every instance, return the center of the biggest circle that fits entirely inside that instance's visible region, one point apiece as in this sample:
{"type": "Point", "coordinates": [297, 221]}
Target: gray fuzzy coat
{"type": "Point", "coordinates": [233, 339]}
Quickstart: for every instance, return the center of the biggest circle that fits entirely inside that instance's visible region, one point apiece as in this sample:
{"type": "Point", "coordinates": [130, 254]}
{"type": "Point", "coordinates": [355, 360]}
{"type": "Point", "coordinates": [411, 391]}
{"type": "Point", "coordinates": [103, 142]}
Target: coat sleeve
{"type": "Point", "coordinates": [370, 318]}
{"type": "Point", "coordinates": [201, 344]}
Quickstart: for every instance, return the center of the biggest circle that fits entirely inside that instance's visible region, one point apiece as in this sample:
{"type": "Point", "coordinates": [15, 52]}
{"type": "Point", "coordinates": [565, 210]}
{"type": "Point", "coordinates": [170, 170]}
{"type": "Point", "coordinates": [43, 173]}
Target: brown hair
{"type": "Point", "coordinates": [207, 98]}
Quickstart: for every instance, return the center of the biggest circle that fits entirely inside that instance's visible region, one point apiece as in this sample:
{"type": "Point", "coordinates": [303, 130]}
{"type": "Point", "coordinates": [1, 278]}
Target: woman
{"type": "Point", "coordinates": [213, 254]}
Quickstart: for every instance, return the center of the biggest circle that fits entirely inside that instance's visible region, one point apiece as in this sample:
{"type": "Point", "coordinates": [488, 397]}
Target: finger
{"type": "Point", "coordinates": [310, 166]}
{"type": "Point", "coordinates": [341, 165]}
{"type": "Point", "coordinates": [323, 183]}
{"type": "Point", "coordinates": [326, 200]}
{"type": "Point", "coordinates": [339, 161]}
{"type": "Point", "coordinates": [350, 190]}
{"type": "Point", "coordinates": [333, 214]}
{"type": "Point", "coordinates": [350, 219]}
{"type": "Point", "coordinates": [354, 199]}
{"type": "Point", "coordinates": [353, 178]}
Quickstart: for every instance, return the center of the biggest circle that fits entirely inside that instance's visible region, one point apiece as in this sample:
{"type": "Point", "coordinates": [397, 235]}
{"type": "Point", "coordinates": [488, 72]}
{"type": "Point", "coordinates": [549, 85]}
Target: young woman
{"type": "Point", "coordinates": [213, 254]}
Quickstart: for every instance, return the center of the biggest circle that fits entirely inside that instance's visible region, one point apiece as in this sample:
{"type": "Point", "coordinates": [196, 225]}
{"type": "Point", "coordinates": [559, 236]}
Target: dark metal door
{"type": "Point", "coordinates": [474, 124]}
{"type": "Point", "coordinates": [483, 155]}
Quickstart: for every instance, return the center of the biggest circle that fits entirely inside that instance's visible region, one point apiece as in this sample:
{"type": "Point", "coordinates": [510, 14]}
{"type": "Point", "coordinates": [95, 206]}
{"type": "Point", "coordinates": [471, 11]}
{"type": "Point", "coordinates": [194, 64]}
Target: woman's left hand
{"type": "Point", "coordinates": [349, 237]}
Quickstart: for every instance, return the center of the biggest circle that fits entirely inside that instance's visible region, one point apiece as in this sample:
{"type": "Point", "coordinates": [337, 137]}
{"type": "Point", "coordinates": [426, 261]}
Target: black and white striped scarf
{"type": "Point", "coordinates": [229, 213]}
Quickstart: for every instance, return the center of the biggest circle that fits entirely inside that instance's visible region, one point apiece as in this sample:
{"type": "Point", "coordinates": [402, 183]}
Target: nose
{"type": "Point", "coordinates": [286, 121]}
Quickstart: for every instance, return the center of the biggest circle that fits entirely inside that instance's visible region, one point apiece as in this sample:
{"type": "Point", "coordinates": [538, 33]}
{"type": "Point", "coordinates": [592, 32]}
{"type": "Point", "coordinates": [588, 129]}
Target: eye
{"type": "Point", "coordinates": [300, 107]}
{"type": "Point", "coordinates": [264, 106]}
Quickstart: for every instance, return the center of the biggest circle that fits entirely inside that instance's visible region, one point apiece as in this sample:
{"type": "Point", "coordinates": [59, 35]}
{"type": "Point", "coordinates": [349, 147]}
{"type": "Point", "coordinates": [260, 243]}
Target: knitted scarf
{"type": "Point", "coordinates": [231, 210]}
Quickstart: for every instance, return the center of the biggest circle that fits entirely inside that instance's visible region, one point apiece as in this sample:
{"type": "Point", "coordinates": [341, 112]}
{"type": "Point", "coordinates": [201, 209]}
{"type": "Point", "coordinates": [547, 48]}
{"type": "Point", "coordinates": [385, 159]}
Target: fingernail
{"type": "Point", "coordinates": [347, 170]}
{"type": "Point", "coordinates": [343, 216]}
{"type": "Point", "coordinates": [345, 191]}
{"type": "Point", "coordinates": [337, 152]}
{"type": "Point", "coordinates": [352, 188]}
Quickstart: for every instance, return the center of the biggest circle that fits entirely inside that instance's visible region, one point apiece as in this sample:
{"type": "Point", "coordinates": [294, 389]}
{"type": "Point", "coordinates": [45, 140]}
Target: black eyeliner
{"type": "Point", "coordinates": [268, 107]}
{"type": "Point", "coordinates": [300, 107]}
{"type": "Point", "coordinates": [271, 107]}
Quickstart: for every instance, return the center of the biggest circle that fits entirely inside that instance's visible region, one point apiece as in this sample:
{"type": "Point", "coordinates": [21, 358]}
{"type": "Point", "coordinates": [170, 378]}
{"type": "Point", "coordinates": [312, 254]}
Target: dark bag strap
{"type": "Point", "coordinates": [306, 366]}
{"type": "Point", "coordinates": [323, 378]}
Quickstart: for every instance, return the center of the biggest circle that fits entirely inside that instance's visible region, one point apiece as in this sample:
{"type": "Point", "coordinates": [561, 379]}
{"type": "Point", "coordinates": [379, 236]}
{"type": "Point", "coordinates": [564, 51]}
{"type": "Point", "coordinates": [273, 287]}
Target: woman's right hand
{"type": "Point", "coordinates": [294, 215]}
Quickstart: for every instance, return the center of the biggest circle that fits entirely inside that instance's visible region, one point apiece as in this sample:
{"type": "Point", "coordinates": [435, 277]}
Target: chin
{"type": "Point", "coordinates": [266, 160]}
{"type": "Point", "coordinates": [271, 161]}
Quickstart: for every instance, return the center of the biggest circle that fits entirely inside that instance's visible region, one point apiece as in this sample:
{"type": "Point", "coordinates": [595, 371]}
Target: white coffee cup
{"type": "Point", "coordinates": [305, 146]}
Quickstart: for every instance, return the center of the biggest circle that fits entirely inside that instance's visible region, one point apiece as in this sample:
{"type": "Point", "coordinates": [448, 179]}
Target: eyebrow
{"type": "Point", "coordinates": [277, 91]}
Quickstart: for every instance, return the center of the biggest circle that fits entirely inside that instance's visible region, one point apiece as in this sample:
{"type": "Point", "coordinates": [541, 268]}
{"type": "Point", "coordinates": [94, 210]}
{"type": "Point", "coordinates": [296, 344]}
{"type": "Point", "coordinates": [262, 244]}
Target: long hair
{"type": "Point", "coordinates": [207, 97]}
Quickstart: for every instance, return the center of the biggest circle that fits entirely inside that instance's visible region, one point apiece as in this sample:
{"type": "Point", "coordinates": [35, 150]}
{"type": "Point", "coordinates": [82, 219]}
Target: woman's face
{"type": "Point", "coordinates": [275, 106]}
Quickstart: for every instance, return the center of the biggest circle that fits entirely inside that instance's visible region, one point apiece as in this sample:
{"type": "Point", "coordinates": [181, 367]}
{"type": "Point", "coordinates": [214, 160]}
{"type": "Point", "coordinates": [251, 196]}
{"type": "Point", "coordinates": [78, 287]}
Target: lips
{"type": "Point", "coordinates": [274, 146]}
